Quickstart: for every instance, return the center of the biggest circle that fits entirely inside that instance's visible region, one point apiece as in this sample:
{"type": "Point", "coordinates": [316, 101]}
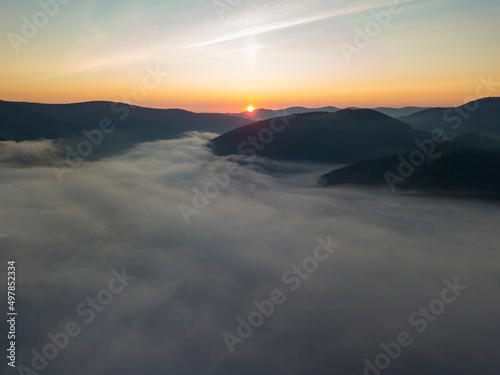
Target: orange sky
{"type": "Point", "coordinates": [283, 54]}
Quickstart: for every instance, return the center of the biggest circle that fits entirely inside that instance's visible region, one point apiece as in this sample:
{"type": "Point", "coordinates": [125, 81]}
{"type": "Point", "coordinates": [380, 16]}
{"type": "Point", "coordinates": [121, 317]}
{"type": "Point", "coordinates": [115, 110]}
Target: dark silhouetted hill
{"type": "Point", "coordinates": [132, 125]}
{"type": "Point", "coordinates": [265, 114]}
{"type": "Point", "coordinates": [399, 112]}
{"type": "Point", "coordinates": [480, 116]}
{"type": "Point", "coordinates": [468, 164]}
{"type": "Point", "coordinates": [341, 137]}
{"type": "Point", "coordinates": [33, 121]}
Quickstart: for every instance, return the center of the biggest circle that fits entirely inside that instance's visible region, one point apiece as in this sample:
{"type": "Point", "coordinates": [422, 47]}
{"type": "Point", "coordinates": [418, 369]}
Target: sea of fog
{"type": "Point", "coordinates": [272, 275]}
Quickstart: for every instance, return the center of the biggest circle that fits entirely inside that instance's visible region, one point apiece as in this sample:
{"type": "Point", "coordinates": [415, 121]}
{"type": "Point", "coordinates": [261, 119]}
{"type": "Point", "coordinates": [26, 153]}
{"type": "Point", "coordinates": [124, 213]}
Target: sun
{"type": "Point", "coordinates": [250, 108]}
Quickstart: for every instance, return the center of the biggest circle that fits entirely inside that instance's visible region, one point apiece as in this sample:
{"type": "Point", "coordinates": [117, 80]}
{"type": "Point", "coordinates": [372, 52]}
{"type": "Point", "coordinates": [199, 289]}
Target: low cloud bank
{"type": "Point", "coordinates": [192, 282]}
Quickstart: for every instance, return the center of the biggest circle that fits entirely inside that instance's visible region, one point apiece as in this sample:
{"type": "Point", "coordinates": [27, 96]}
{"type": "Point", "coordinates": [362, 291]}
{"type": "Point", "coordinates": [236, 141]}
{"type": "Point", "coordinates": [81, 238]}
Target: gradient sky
{"type": "Point", "coordinates": [270, 54]}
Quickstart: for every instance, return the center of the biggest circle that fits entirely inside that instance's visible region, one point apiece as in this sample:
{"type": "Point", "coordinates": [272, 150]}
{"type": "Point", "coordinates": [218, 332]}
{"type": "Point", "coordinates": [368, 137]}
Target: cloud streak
{"type": "Point", "coordinates": [293, 21]}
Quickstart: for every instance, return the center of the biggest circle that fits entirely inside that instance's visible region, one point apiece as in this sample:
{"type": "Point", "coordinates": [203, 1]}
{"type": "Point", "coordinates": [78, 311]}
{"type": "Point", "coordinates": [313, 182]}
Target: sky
{"type": "Point", "coordinates": [211, 56]}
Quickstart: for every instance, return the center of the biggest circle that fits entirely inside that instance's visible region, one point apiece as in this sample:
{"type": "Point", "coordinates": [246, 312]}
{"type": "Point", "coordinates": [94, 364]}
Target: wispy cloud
{"type": "Point", "coordinates": [279, 26]}
{"type": "Point", "coordinates": [293, 21]}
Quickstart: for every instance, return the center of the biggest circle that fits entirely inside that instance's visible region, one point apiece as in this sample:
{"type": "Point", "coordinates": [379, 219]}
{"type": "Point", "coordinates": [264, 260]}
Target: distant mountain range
{"type": "Point", "coordinates": [344, 136]}
{"type": "Point", "coordinates": [132, 125]}
{"type": "Point", "coordinates": [264, 114]}
{"type": "Point", "coordinates": [398, 112]}
{"type": "Point", "coordinates": [33, 121]}
{"type": "Point", "coordinates": [478, 116]}
{"type": "Point", "coordinates": [326, 134]}
{"type": "Point", "coordinates": [425, 118]}
{"type": "Point", "coordinates": [374, 145]}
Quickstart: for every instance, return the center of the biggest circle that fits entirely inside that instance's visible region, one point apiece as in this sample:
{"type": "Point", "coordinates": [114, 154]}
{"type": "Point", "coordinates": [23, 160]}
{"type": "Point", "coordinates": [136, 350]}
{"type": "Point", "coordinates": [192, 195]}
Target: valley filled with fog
{"type": "Point", "coordinates": [191, 280]}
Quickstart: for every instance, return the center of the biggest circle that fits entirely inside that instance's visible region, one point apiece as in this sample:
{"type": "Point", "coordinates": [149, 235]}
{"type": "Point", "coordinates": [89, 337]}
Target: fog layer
{"type": "Point", "coordinates": [193, 281]}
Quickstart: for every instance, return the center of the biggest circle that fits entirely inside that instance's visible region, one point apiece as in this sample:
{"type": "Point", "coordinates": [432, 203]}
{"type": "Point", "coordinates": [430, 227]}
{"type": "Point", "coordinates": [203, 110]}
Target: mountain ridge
{"type": "Point", "coordinates": [343, 136]}
{"type": "Point", "coordinates": [482, 115]}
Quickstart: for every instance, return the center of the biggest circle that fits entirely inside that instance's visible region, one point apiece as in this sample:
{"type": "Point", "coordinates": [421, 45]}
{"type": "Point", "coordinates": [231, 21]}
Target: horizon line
{"type": "Point", "coordinates": [256, 109]}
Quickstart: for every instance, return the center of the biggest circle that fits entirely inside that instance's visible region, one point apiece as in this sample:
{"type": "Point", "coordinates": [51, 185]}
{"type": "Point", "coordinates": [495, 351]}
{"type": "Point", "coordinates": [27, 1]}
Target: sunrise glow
{"type": "Point", "coordinates": [286, 53]}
